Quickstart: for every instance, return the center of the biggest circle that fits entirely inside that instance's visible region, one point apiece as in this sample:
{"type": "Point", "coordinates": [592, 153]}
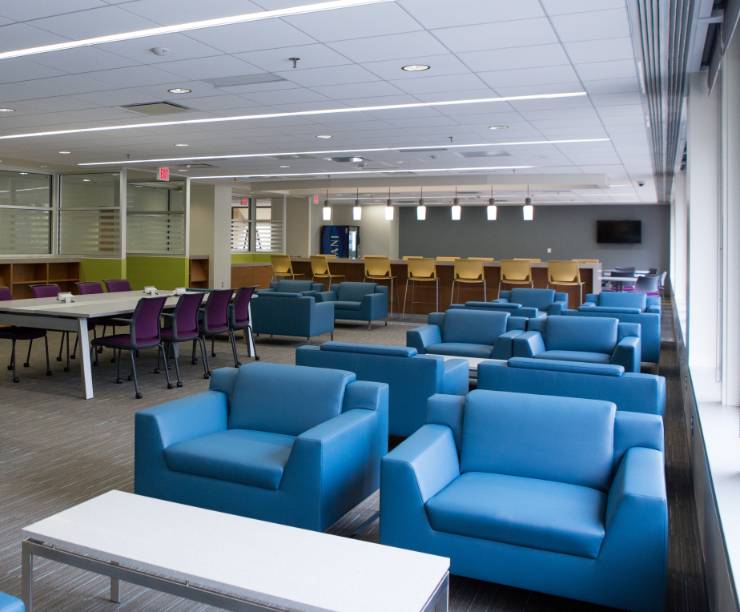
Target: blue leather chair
{"type": "Point", "coordinates": [8, 603]}
{"type": "Point", "coordinates": [628, 307]}
{"type": "Point", "coordinates": [292, 286]}
{"type": "Point", "coordinates": [587, 339]}
{"type": "Point", "coordinates": [412, 378]}
{"type": "Point", "coordinates": [467, 332]}
{"type": "Point", "coordinates": [548, 301]}
{"type": "Point", "coordinates": [291, 314]}
{"type": "Point", "coordinates": [559, 495]}
{"type": "Point", "coordinates": [515, 310]}
{"type": "Point", "coordinates": [630, 391]}
{"type": "Point", "coordinates": [281, 443]}
{"type": "Point", "coordinates": [358, 301]}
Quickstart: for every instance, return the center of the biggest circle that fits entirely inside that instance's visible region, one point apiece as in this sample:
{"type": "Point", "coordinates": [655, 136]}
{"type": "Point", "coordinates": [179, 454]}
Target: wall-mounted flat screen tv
{"type": "Point", "coordinates": [619, 232]}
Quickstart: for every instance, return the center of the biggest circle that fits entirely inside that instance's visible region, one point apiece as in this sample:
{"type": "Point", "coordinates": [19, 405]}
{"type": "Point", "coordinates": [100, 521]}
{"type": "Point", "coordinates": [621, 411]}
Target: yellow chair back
{"type": "Point", "coordinates": [516, 270]}
{"type": "Point", "coordinates": [587, 261]}
{"type": "Point", "coordinates": [444, 259]}
{"type": "Point", "coordinates": [468, 269]}
{"type": "Point", "coordinates": [423, 268]}
{"type": "Point", "coordinates": [529, 259]}
{"type": "Point", "coordinates": [281, 264]}
{"type": "Point", "coordinates": [483, 259]}
{"type": "Point", "coordinates": [377, 266]}
{"type": "Point", "coordinates": [407, 257]}
{"type": "Point", "coordinates": [563, 271]}
{"type": "Point", "coordinates": [319, 265]}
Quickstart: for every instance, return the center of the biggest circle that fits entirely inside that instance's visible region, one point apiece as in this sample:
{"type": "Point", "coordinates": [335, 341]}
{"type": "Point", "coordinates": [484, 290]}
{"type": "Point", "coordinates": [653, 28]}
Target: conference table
{"type": "Point", "coordinates": [77, 316]}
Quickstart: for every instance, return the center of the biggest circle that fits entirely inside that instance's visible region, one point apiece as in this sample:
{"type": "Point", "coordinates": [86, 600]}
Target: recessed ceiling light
{"type": "Point", "coordinates": [86, 180]}
{"type": "Point", "coordinates": [304, 113]}
{"type": "Point", "coordinates": [23, 173]}
{"type": "Point", "coordinates": [5, 109]}
{"type": "Point", "coordinates": [285, 167]}
{"type": "Point", "coordinates": [415, 67]}
{"type": "Point", "coordinates": [410, 148]}
{"type": "Point", "coordinates": [180, 90]}
{"type": "Point", "coordinates": [498, 126]}
{"type": "Point", "coordinates": [65, 152]}
{"type": "Point", "coordinates": [324, 136]}
{"type": "Point", "coordinates": [356, 159]}
{"type": "Point", "coordinates": [182, 144]}
{"type": "Point", "coordinates": [191, 25]}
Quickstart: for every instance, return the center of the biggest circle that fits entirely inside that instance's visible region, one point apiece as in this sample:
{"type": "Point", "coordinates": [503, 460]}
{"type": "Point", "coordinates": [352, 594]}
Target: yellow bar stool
{"type": "Point", "coordinates": [587, 261]}
{"type": "Point", "coordinates": [515, 272]}
{"type": "Point", "coordinates": [529, 259]}
{"type": "Point", "coordinates": [483, 259]}
{"type": "Point", "coordinates": [282, 267]}
{"type": "Point", "coordinates": [378, 268]}
{"type": "Point", "coordinates": [469, 272]}
{"type": "Point", "coordinates": [422, 270]}
{"type": "Point", "coordinates": [565, 273]}
{"type": "Point", "coordinates": [444, 259]}
{"type": "Point", "coordinates": [320, 269]}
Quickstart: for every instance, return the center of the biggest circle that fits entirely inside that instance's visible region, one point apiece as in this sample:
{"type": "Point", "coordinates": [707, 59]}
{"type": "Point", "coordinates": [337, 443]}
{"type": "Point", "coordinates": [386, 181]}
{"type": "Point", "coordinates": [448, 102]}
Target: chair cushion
{"type": "Point", "coordinates": [345, 305]}
{"type": "Point", "coordinates": [255, 458]}
{"type": "Point", "coordinates": [461, 349]}
{"type": "Point", "coordinates": [286, 399]}
{"type": "Point", "coordinates": [621, 299]}
{"type": "Point", "coordinates": [534, 298]}
{"type": "Point", "coordinates": [585, 356]}
{"type": "Point", "coordinates": [574, 333]}
{"type": "Point", "coordinates": [539, 436]}
{"type": "Point", "coordinates": [8, 603]}
{"type": "Point", "coordinates": [293, 286]}
{"type": "Point", "coordinates": [369, 349]}
{"type": "Point", "coordinates": [528, 512]}
{"type": "Point", "coordinates": [473, 326]}
{"type": "Point", "coordinates": [354, 292]}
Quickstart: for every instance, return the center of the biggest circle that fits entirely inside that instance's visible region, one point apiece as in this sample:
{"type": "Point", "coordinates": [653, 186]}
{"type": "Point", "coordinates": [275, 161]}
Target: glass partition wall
{"type": "Point", "coordinates": [26, 213]}
{"type": "Point", "coordinates": [155, 216]}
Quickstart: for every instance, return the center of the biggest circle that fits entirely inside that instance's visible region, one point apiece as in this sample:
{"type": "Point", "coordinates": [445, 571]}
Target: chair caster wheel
{"type": "Point", "coordinates": [179, 384]}
{"type": "Point", "coordinates": [156, 371]}
{"type": "Point", "coordinates": [10, 368]}
{"type": "Point", "coordinates": [16, 379]}
{"type": "Point", "coordinates": [256, 358]}
{"type": "Point", "coordinates": [139, 396]}
{"type": "Point", "coordinates": [129, 378]}
{"type": "Point", "coordinates": [48, 372]}
{"type": "Point", "coordinates": [25, 365]}
{"type": "Point", "coordinates": [170, 386]}
{"type": "Point", "coordinates": [206, 376]}
{"type": "Point", "coordinates": [59, 358]}
{"type": "Point", "coordinates": [66, 369]}
{"type": "Point", "coordinates": [73, 357]}
{"type": "Point", "coordinates": [119, 381]}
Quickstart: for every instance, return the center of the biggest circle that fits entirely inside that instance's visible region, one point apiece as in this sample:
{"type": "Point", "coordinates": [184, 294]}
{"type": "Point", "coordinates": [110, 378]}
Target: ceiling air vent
{"type": "Point", "coordinates": [155, 108]}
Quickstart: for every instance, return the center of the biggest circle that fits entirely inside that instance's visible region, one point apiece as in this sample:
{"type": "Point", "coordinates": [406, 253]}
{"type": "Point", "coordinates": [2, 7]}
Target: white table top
{"type": "Point", "coordinates": [260, 561]}
{"type": "Point", "coordinates": [473, 362]}
{"type": "Point", "coordinates": [83, 307]}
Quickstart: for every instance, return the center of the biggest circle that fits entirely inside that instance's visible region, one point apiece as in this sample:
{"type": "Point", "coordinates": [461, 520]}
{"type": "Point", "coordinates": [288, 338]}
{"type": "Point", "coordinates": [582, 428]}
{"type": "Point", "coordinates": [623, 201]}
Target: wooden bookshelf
{"type": "Point", "coordinates": [199, 276]}
{"type": "Point", "coordinates": [20, 274]}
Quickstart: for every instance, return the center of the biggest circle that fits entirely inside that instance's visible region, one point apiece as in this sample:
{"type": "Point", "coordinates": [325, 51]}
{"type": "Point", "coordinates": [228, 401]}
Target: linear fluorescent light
{"type": "Point", "coordinates": [476, 145]}
{"type": "Point", "coordinates": [355, 172]}
{"type": "Point", "coordinates": [306, 113]}
{"type": "Point", "coordinates": [190, 26]}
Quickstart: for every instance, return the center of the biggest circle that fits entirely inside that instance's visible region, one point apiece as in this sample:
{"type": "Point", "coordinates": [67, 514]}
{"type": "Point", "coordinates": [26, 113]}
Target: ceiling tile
{"type": "Point", "coordinates": [515, 57]}
{"type": "Point", "coordinates": [594, 25]}
{"type": "Point", "coordinates": [531, 76]}
{"type": "Point", "coordinates": [21, 36]}
{"type": "Point", "coordinates": [243, 37]}
{"type": "Point", "coordinates": [24, 69]}
{"type": "Point", "coordinates": [497, 35]}
{"type": "Point", "coordinates": [440, 65]}
{"type": "Point", "coordinates": [84, 59]}
{"type": "Point", "coordinates": [96, 22]}
{"type": "Point", "coordinates": [175, 47]}
{"type": "Point", "coordinates": [443, 13]}
{"type": "Point", "coordinates": [134, 76]}
{"type": "Point", "coordinates": [618, 69]}
{"type": "Point", "coordinates": [600, 50]}
{"type": "Point", "coordinates": [168, 12]}
{"type": "Point", "coordinates": [311, 56]}
{"type": "Point", "coordinates": [335, 75]}
{"type": "Point", "coordinates": [23, 10]}
{"type": "Point", "coordinates": [360, 90]}
{"type": "Point", "coordinates": [447, 83]}
{"type": "Point", "coordinates": [560, 7]}
{"type": "Point", "coordinates": [209, 67]}
{"type": "Point", "coordinates": [379, 48]}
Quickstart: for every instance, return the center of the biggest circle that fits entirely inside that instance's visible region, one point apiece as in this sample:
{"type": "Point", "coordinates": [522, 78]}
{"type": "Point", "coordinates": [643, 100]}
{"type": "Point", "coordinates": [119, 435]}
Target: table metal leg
{"type": "Point", "coordinates": [115, 587]}
{"type": "Point", "coordinates": [26, 575]}
{"type": "Point", "coordinates": [86, 369]}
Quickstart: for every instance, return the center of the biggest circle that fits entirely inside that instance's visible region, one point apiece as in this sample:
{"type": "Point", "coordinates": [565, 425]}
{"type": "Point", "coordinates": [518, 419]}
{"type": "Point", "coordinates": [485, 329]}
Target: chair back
{"type": "Point", "coordinates": [145, 323]}
{"type": "Point", "coordinates": [541, 299]}
{"type": "Point", "coordinates": [529, 259]}
{"type": "Point", "coordinates": [624, 271]}
{"type": "Point", "coordinates": [516, 270]}
{"type": "Point", "coordinates": [578, 333]}
{"type": "Point", "coordinates": [44, 291]}
{"type": "Point", "coordinates": [319, 265]}
{"type": "Point", "coordinates": [115, 285]}
{"type": "Point", "coordinates": [295, 286]}
{"type": "Point", "coordinates": [88, 288]}
{"type": "Point", "coordinates": [377, 266]}
{"type": "Point", "coordinates": [423, 268]}
{"type": "Point", "coordinates": [281, 264]}
{"type": "Point", "coordinates": [563, 271]}
{"type": "Point", "coordinates": [444, 259]}
{"type": "Point", "coordinates": [587, 261]}
{"type": "Point", "coordinates": [483, 259]}
{"type": "Point", "coordinates": [5, 294]}
{"type": "Point", "coordinates": [467, 325]}
{"type": "Point", "coordinates": [662, 276]}
{"type": "Point", "coordinates": [216, 316]}
{"type": "Point", "coordinates": [647, 284]}
{"type": "Point", "coordinates": [408, 257]}
{"type": "Point", "coordinates": [622, 299]}
{"type": "Point", "coordinates": [239, 312]}
{"type": "Point", "coordinates": [185, 322]}
{"type": "Point", "coordinates": [468, 269]}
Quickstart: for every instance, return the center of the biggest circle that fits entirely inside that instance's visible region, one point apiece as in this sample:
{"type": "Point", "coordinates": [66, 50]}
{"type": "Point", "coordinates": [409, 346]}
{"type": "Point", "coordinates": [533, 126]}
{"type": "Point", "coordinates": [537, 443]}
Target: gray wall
{"type": "Point", "coordinates": [570, 231]}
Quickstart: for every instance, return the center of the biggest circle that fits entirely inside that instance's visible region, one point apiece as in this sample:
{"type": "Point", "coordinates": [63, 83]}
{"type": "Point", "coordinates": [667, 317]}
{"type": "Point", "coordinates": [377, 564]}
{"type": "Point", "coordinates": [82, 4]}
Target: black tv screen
{"type": "Point", "coordinates": [619, 232]}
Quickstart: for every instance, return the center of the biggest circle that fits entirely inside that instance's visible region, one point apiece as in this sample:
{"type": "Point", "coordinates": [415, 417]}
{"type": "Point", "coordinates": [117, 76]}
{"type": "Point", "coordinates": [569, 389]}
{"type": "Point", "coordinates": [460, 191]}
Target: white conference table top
{"type": "Point", "coordinates": [256, 560]}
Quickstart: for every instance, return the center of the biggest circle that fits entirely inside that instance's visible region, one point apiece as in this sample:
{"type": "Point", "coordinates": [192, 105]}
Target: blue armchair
{"type": "Point", "coordinates": [275, 442]}
{"type": "Point", "coordinates": [292, 286]}
{"type": "Point", "coordinates": [548, 301]}
{"type": "Point", "coordinates": [630, 391]}
{"type": "Point", "coordinates": [515, 310]}
{"type": "Point", "coordinates": [467, 332]}
{"type": "Point", "coordinates": [358, 301]}
{"type": "Point", "coordinates": [628, 307]}
{"type": "Point", "coordinates": [411, 378]}
{"type": "Point", "coordinates": [8, 603]}
{"type": "Point", "coordinates": [586, 339]}
{"type": "Point", "coordinates": [562, 496]}
{"type": "Point", "coordinates": [291, 314]}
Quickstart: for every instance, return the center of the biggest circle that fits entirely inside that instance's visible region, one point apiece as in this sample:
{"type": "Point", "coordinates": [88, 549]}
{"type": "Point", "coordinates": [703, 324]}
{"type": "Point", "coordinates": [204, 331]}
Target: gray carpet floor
{"type": "Point", "coordinates": [57, 450]}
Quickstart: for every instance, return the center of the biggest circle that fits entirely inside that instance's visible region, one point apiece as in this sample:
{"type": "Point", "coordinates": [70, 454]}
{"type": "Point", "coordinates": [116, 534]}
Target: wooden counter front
{"type": "Point", "coordinates": [251, 275]}
{"type": "Point", "coordinates": [423, 294]}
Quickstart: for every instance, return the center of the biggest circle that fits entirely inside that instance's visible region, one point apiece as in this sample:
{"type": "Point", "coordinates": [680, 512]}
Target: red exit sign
{"type": "Point", "coordinates": [163, 173]}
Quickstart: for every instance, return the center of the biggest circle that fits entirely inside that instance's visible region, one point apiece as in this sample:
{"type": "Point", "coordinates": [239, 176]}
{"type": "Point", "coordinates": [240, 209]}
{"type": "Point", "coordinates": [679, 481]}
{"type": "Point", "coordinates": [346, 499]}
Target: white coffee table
{"type": "Point", "coordinates": [473, 362]}
{"type": "Point", "coordinates": [232, 562]}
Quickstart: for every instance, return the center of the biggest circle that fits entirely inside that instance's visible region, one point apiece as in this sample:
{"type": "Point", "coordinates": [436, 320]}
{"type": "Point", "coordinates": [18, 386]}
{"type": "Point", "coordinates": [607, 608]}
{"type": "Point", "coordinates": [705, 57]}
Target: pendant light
{"type": "Point", "coordinates": [491, 209]}
{"type": "Point", "coordinates": [357, 209]}
{"type": "Point", "coordinates": [326, 210]}
{"type": "Point", "coordinates": [456, 210]}
{"type": "Point", "coordinates": [528, 209]}
{"type": "Point", "coordinates": [389, 210]}
{"type": "Point", "coordinates": [421, 209]}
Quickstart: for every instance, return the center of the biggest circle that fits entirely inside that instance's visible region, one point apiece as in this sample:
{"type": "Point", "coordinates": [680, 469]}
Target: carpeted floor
{"type": "Point", "coordinates": [57, 450]}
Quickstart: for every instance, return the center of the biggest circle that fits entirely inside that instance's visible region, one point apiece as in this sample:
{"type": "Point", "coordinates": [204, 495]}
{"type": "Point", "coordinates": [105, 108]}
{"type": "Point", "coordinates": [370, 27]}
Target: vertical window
{"type": "Point", "coordinates": [155, 217]}
{"type": "Point", "coordinates": [25, 213]}
{"type": "Point", "coordinates": [255, 227]}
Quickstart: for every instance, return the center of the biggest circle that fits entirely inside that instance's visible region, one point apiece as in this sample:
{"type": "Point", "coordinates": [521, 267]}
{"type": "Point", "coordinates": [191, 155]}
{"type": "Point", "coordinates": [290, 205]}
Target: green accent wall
{"type": "Point", "coordinates": [240, 258]}
{"type": "Point", "coordinates": [160, 271]}
{"type": "Point", "coordinates": [102, 268]}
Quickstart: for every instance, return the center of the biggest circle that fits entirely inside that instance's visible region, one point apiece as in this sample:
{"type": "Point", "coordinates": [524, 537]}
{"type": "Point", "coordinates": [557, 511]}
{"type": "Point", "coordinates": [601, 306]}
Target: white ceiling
{"type": "Point", "coordinates": [349, 57]}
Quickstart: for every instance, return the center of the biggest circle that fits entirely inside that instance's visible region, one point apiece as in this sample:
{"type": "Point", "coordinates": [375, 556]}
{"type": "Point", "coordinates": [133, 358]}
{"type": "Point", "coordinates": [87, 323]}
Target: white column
{"type": "Point", "coordinates": [703, 138]}
{"type": "Point", "coordinates": [221, 266]}
{"type": "Point", "coordinates": [123, 205]}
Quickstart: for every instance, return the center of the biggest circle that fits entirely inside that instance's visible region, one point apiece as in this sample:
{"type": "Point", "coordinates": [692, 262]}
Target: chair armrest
{"type": "Point", "coordinates": [517, 323]}
{"type": "Point", "coordinates": [503, 346]}
{"type": "Point", "coordinates": [322, 318]}
{"type": "Point", "coordinates": [591, 298]}
{"type": "Point", "coordinates": [627, 353]}
{"type": "Point", "coordinates": [653, 308]}
{"type": "Point", "coordinates": [375, 305]}
{"type": "Point", "coordinates": [423, 336]}
{"type": "Point", "coordinates": [528, 344]}
{"type": "Point", "coordinates": [587, 305]}
{"type": "Point", "coordinates": [556, 308]}
{"type": "Point", "coordinates": [455, 377]}
{"type": "Point", "coordinates": [266, 290]}
{"type": "Point", "coordinates": [639, 479]}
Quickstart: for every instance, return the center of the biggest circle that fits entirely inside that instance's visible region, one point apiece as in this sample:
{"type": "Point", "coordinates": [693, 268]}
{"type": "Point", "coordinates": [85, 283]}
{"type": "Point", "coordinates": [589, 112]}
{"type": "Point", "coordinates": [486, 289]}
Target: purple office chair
{"type": "Point", "coordinates": [47, 291]}
{"type": "Point", "coordinates": [144, 332]}
{"type": "Point", "coordinates": [15, 334]}
{"type": "Point", "coordinates": [117, 284]}
{"type": "Point", "coordinates": [214, 321]}
{"type": "Point", "coordinates": [239, 319]}
{"type": "Point", "coordinates": [184, 328]}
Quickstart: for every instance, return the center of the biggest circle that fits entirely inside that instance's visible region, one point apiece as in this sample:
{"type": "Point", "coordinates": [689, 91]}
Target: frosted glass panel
{"type": "Point", "coordinates": [25, 231]}
{"type": "Point", "coordinates": [25, 189]}
{"type": "Point", "coordinates": [156, 233]}
{"type": "Point", "coordinates": [90, 190]}
{"type": "Point", "coordinates": [90, 232]}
